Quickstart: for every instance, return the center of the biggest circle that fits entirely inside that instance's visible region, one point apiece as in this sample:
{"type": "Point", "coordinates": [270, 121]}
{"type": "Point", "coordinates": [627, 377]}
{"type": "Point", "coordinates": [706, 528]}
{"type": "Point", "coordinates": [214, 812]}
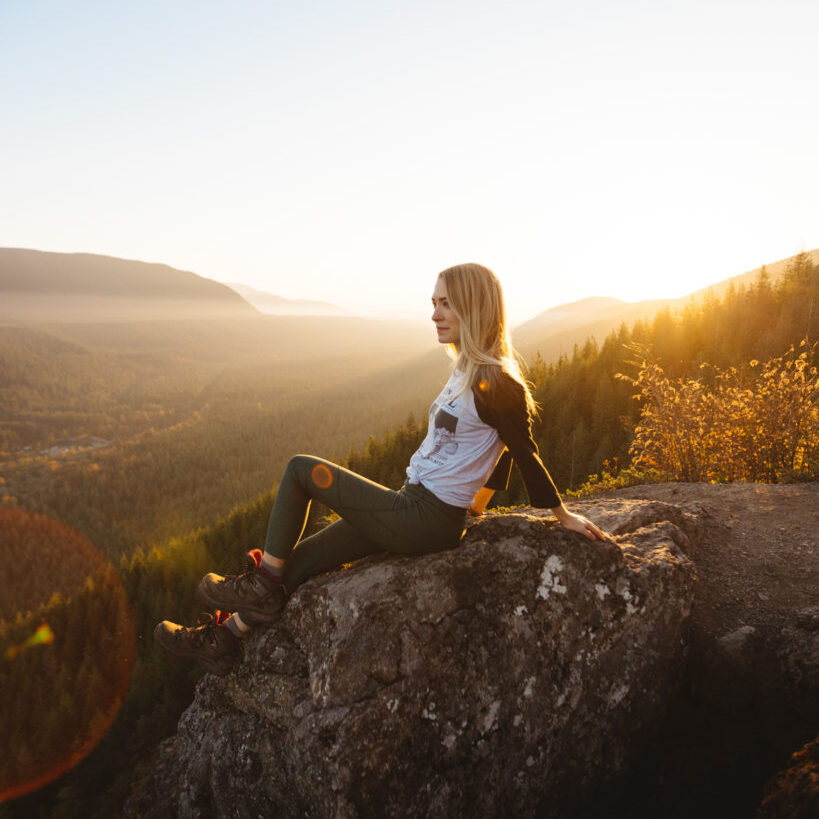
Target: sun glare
{"type": "Point", "coordinates": [67, 644]}
{"type": "Point", "coordinates": [322, 476]}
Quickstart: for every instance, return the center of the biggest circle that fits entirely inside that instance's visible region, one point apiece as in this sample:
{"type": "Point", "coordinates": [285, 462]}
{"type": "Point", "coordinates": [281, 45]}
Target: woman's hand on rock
{"type": "Point", "coordinates": [578, 523]}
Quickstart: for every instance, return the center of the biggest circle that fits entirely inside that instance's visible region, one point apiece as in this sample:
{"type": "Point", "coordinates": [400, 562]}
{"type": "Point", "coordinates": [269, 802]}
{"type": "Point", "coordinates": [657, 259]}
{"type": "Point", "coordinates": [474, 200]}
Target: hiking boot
{"type": "Point", "coordinates": [212, 644]}
{"type": "Point", "coordinates": [256, 596]}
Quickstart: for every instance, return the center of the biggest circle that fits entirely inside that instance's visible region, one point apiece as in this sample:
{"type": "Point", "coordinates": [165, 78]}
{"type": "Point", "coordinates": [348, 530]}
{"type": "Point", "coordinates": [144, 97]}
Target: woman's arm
{"type": "Point", "coordinates": [504, 408]}
{"type": "Point", "coordinates": [578, 523]}
{"type": "Point", "coordinates": [507, 412]}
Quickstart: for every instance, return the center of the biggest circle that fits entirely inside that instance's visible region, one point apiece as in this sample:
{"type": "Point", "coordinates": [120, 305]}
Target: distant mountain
{"type": "Point", "coordinates": [567, 315]}
{"type": "Point", "coordinates": [279, 306]}
{"type": "Point", "coordinates": [69, 287]}
{"type": "Point", "coordinates": [555, 331]}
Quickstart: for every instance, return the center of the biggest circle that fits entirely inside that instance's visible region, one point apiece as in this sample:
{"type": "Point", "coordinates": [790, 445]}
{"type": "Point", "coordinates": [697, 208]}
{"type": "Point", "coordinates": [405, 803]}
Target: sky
{"type": "Point", "coordinates": [349, 151]}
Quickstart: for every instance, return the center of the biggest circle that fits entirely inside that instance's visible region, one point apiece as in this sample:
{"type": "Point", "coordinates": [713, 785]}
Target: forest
{"type": "Point", "coordinates": [603, 412]}
{"type": "Point", "coordinates": [137, 433]}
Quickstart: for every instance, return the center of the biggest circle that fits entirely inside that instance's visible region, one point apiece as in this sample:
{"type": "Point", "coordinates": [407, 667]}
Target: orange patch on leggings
{"type": "Point", "coordinates": [322, 476]}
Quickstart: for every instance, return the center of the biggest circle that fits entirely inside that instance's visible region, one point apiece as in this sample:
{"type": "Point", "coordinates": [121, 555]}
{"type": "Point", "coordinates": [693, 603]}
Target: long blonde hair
{"type": "Point", "coordinates": [476, 297]}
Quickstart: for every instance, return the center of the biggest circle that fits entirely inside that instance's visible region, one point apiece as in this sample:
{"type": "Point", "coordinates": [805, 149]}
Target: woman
{"type": "Point", "coordinates": [484, 409]}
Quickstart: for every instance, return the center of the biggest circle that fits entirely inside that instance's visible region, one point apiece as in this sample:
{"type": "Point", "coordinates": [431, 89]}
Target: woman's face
{"type": "Point", "coordinates": [446, 322]}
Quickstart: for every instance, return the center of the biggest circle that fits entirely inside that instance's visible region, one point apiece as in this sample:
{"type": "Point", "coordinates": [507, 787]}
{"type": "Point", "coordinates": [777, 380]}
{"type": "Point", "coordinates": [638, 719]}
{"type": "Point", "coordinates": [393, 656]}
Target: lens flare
{"type": "Point", "coordinates": [67, 645]}
{"type": "Point", "coordinates": [322, 476]}
{"type": "Point", "coordinates": [483, 385]}
{"type": "Point", "coordinates": [43, 636]}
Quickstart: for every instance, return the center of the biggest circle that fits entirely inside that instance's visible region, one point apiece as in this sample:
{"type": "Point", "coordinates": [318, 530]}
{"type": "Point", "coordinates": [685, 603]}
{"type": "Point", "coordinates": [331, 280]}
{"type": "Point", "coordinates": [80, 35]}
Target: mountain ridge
{"type": "Point", "coordinates": [40, 285]}
{"type": "Point", "coordinates": [551, 334]}
{"type": "Point", "coordinates": [109, 288]}
{"type": "Point", "coordinates": [274, 305]}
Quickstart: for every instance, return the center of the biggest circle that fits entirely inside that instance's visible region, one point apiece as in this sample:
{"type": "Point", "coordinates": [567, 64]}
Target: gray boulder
{"type": "Point", "coordinates": [518, 675]}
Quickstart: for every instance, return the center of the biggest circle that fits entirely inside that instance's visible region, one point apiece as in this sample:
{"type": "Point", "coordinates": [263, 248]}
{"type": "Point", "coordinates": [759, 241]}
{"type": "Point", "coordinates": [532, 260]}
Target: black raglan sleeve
{"type": "Point", "coordinates": [504, 408]}
{"type": "Point", "coordinates": [499, 479]}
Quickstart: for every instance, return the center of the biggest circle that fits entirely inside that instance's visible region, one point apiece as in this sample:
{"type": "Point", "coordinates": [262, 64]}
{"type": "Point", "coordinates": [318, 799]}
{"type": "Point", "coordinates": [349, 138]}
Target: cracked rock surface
{"type": "Point", "coordinates": [517, 675]}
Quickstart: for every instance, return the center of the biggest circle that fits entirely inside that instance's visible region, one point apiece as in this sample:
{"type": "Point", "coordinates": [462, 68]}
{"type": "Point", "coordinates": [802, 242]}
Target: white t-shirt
{"type": "Point", "coordinates": [460, 450]}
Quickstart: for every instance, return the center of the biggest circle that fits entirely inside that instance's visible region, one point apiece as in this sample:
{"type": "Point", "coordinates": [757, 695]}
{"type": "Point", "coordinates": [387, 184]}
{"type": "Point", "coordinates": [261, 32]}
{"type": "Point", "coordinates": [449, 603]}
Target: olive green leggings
{"type": "Point", "coordinates": [409, 521]}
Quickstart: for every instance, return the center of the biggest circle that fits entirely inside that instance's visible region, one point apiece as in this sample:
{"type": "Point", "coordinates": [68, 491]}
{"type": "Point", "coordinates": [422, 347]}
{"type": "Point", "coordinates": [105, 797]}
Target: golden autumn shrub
{"type": "Point", "coordinates": [760, 423]}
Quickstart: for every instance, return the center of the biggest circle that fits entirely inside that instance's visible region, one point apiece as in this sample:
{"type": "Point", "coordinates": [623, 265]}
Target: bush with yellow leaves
{"type": "Point", "coordinates": [756, 424]}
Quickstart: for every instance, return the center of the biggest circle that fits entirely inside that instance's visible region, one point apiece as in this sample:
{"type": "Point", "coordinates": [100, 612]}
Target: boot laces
{"type": "Point", "coordinates": [253, 559]}
{"type": "Point", "coordinates": [204, 629]}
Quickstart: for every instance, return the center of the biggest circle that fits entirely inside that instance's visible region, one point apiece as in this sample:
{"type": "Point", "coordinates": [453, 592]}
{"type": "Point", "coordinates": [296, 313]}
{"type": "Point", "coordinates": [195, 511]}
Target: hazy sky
{"type": "Point", "coordinates": [348, 151]}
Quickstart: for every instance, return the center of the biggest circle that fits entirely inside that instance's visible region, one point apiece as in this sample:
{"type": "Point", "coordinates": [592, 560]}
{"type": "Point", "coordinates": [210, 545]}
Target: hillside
{"type": "Point", "coordinates": [566, 316]}
{"type": "Point", "coordinates": [78, 287]}
{"type": "Point", "coordinates": [191, 418]}
{"type": "Point", "coordinates": [274, 305]}
{"type": "Point", "coordinates": [96, 376]}
{"type": "Point", "coordinates": [191, 407]}
{"type": "Point", "coordinates": [555, 332]}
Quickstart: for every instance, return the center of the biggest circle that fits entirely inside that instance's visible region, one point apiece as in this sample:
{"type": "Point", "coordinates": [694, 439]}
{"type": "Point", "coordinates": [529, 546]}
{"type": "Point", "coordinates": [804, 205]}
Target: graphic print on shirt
{"type": "Point", "coordinates": [444, 424]}
{"type": "Point", "coordinates": [443, 440]}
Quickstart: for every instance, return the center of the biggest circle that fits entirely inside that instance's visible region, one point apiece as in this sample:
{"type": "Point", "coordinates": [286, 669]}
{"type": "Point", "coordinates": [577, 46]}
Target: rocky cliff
{"type": "Point", "coordinates": [517, 675]}
{"type": "Point", "coordinates": [528, 673]}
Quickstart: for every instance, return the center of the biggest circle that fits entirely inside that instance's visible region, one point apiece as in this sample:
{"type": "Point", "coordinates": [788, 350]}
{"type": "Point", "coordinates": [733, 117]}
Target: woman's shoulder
{"type": "Point", "coordinates": [497, 389]}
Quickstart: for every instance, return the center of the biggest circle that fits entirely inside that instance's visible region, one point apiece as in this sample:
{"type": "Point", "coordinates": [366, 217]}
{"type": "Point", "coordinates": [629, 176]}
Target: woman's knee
{"type": "Point", "coordinates": [301, 464]}
{"type": "Point", "coordinates": [310, 472]}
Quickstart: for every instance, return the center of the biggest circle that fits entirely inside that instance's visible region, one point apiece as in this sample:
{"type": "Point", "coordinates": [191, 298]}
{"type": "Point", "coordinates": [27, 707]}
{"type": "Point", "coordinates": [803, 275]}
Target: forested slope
{"type": "Point", "coordinates": [140, 432]}
{"type": "Point", "coordinates": [588, 415]}
{"type": "Point", "coordinates": [555, 335]}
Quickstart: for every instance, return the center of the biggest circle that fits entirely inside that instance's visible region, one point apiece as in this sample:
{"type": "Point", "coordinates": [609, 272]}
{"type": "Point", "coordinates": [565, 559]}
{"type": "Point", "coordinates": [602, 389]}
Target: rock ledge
{"type": "Point", "coordinates": [517, 675]}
